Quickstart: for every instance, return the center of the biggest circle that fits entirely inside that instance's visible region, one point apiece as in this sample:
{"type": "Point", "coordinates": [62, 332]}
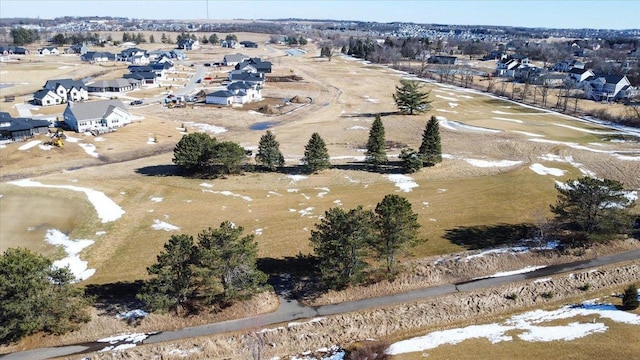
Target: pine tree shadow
{"type": "Point", "coordinates": [293, 277]}
{"type": "Point", "coordinates": [114, 298]}
{"type": "Point", "coordinates": [370, 115]}
{"type": "Point", "coordinates": [160, 170]}
{"type": "Point", "coordinates": [488, 236]}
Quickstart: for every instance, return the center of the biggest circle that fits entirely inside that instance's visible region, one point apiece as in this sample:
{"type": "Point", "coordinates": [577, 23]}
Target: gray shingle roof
{"type": "Point", "coordinates": [94, 109]}
{"type": "Point", "coordinates": [66, 83]}
{"type": "Point", "coordinates": [221, 93]}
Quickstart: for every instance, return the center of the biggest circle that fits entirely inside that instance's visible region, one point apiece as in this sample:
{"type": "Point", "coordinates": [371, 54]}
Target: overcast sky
{"type": "Point", "coordinates": [541, 13]}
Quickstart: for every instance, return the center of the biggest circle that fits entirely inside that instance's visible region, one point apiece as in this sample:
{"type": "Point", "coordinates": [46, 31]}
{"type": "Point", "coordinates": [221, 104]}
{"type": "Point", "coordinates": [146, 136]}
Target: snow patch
{"type": "Point", "coordinates": [156, 199]}
{"type": "Point", "coordinates": [487, 163]}
{"type": "Point", "coordinates": [72, 248]}
{"type": "Point", "coordinates": [295, 178]}
{"type": "Point", "coordinates": [106, 208]}
{"type": "Point", "coordinates": [29, 145]}
{"type": "Point", "coordinates": [405, 183]}
{"type": "Point", "coordinates": [90, 149]}
{"type": "Point", "coordinates": [161, 225]}
{"type": "Point", "coordinates": [206, 127]}
{"type": "Point", "coordinates": [543, 170]}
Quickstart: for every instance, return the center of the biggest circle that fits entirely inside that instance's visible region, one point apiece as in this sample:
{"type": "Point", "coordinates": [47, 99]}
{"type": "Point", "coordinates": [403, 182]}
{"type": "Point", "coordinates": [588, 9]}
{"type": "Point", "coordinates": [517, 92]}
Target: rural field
{"type": "Point", "coordinates": [121, 191]}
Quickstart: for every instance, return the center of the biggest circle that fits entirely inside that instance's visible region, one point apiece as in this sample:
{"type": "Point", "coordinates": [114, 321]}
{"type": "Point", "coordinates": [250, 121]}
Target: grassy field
{"type": "Point", "coordinates": [455, 194]}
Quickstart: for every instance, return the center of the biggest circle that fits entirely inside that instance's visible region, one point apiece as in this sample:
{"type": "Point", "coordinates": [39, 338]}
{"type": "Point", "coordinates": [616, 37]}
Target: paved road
{"type": "Point", "coordinates": [185, 90]}
{"type": "Point", "coordinates": [291, 310]}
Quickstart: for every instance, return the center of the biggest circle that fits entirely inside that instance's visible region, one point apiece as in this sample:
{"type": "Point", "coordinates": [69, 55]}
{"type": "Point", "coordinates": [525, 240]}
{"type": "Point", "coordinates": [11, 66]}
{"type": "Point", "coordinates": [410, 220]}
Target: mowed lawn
{"type": "Point", "coordinates": [470, 190]}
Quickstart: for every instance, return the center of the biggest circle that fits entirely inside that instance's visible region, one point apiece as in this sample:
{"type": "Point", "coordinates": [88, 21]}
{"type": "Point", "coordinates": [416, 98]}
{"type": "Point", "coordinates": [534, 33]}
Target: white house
{"type": "Point", "coordinates": [234, 59]}
{"type": "Point", "coordinates": [222, 97]}
{"type": "Point", "coordinates": [579, 75]}
{"type": "Point", "coordinates": [46, 97]}
{"type": "Point", "coordinates": [96, 115]}
{"type": "Point", "coordinates": [49, 51]}
{"type": "Point", "coordinates": [68, 89]}
{"type": "Point", "coordinates": [606, 87]}
{"type": "Point", "coordinates": [245, 92]}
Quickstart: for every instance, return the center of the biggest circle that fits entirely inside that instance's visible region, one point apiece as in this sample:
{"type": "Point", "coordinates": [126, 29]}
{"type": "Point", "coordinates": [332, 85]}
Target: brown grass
{"type": "Point", "coordinates": [407, 320]}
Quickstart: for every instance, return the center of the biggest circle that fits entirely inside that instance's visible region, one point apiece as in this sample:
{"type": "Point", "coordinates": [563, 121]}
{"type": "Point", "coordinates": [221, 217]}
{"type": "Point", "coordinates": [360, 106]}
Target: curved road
{"type": "Point", "coordinates": [291, 310]}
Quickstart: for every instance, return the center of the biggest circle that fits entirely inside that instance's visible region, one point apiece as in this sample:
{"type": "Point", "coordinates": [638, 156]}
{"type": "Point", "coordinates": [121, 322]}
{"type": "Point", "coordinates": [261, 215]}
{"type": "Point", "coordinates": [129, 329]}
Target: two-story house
{"type": "Point", "coordinates": [68, 89]}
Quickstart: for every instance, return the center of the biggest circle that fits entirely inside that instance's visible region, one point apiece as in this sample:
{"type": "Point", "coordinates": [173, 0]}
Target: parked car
{"type": "Point", "coordinates": [136, 102]}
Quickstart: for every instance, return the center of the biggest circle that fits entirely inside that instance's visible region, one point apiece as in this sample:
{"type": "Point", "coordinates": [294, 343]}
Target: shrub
{"type": "Point", "coordinates": [512, 296]}
{"type": "Point", "coordinates": [630, 298]}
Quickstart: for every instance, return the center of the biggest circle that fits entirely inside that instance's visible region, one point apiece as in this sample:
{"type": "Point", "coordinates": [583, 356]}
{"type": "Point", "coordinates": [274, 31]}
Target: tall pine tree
{"type": "Point", "coordinates": [376, 154]}
{"type": "Point", "coordinates": [269, 154]}
{"type": "Point", "coordinates": [410, 97]}
{"type": "Point", "coordinates": [398, 228]}
{"type": "Point", "coordinates": [431, 149]}
{"type": "Point", "coordinates": [316, 156]}
{"type": "Point", "coordinates": [341, 243]}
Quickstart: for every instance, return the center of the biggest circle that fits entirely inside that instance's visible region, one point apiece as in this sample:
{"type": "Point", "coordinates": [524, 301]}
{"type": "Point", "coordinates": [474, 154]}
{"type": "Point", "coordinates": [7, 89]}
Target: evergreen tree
{"type": "Point", "coordinates": [341, 243]}
{"type": "Point", "coordinates": [171, 288]}
{"type": "Point", "coordinates": [36, 297]}
{"type": "Point", "coordinates": [228, 264]}
{"type": "Point", "coordinates": [59, 39]}
{"type": "Point", "coordinates": [593, 206]}
{"type": "Point", "coordinates": [163, 38]}
{"type": "Point", "coordinates": [316, 156]}
{"type": "Point", "coordinates": [230, 37]}
{"type": "Point", "coordinates": [213, 39]}
{"type": "Point", "coordinates": [431, 149]}
{"type": "Point", "coordinates": [229, 155]}
{"type": "Point", "coordinates": [410, 97]}
{"type": "Point", "coordinates": [194, 151]}
{"type": "Point", "coordinates": [376, 154]}
{"type": "Point", "coordinates": [152, 39]}
{"type": "Point", "coordinates": [302, 40]}
{"type": "Point", "coordinates": [412, 161]}
{"type": "Point", "coordinates": [630, 298]}
{"type": "Point", "coordinates": [397, 226]}
{"type": "Point", "coordinates": [269, 154]}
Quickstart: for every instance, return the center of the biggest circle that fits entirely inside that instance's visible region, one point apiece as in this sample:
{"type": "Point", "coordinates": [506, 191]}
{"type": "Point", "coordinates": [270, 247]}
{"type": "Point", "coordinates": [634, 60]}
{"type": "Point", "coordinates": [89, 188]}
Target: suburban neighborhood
{"type": "Point", "coordinates": [277, 186]}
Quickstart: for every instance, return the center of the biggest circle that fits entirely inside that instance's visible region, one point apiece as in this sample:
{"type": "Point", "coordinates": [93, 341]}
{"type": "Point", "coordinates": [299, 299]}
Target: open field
{"type": "Point", "coordinates": [473, 186]}
{"type": "Point", "coordinates": [485, 181]}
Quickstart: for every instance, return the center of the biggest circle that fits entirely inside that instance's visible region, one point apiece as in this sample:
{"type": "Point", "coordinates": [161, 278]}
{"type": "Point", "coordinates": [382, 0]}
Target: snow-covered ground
{"type": "Point", "coordinates": [531, 326]}
{"type": "Point", "coordinates": [403, 182]}
{"type": "Point", "coordinates": [106, 208]}
{"type": "Point", "coordinates": [72, 248]}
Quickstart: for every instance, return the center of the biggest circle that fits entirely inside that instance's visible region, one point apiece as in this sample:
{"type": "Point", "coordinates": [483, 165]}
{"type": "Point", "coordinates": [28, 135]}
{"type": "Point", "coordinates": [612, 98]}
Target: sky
{"type": "Point", "coordinates": [615, 14]}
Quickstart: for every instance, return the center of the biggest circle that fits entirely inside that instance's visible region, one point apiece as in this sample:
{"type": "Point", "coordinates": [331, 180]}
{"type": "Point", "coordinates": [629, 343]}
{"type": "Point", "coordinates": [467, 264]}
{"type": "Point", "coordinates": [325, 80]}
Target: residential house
{"type": "Point", "coordinates": [68, 89]}
{"type": "Point", "coordinates": [133, 55]}
{"type": "Point", "coordinates": [147, 78]}
{"type": "Point", "coordinates": [160, 68]}
{"type": "Point", "coordinates": [580, 75]}
{"type": "Point", "coordinates": [115, 85]}
{"type": "Point", "coordinates": [249, 44]}
{"type": "Point", "coordinates": [244, 92]}
{"type": "Point", "coordinates": [48, 51]}
{"type": "Point", "coordinates": [77, 49]}
{"type": "Point", "coordinates": [254, 79]}
{"type": "Point", "coordinates": [97, 56]}
{"type": "Point", "coordinates": [104, 115]}
{"type": "Point", "coordinates": [443, 60]}
{"type": "Point", "coordinates": [607, 87]}
{"type": "Point", "coordinates": [234, 59]}
{"type": "Point", "coordinates": [221, 97]}
{"type": "Point", "coordinates": [178, 55]}
{"type": "Point", "coordinates": [254, 65]}
{"type": "Point", "coordinates": [13, 50]}
{"type": "Point", "coordinates": [46, 97]}
{"type": "Point", "coordinates": [567, 65]}
{"type": "Point", "coordinates": [188, 44]}
{"type": "Point", "coordinates": [549, 79]}
{"type": "Point", "coordinates": [507, 67]}
{"type": "Point", "coordinates": [18, 129]}
{"type": "Point", "coordinates": [231, 44]}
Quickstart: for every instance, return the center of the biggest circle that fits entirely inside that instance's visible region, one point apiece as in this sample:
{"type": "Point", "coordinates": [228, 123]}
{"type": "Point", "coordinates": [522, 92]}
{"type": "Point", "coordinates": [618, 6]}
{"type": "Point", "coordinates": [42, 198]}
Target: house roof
{"type": "Point", "coordinates": [578, 71]}
{"type": "Point", "coordinates": [115, 83]}
{"type": "Point", "coordinates": [89, 55]}
{"type": "Point", "coordinates": [141, 75]}
{"type": "Point", "coordinates": [139, 68]}
{"type": "Point", "coordinates": [40, 94]}
{"type": "Point", "coordinates": [20, 124]}
{"type": "Point", "coordinates": [251, 77]}
{"type": "Point", "coordinates": [94, 109]}
{"type": "Point", "coordinates": [611, 79]}
{"type": "Point", "coordinates": [235, 57]}
{"type": "Point", "coordinates": [66, 83]}
{"type": "Point", "coordinates": [240, 85]}
{"type": "Point", "coordinates": [221, 94]}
